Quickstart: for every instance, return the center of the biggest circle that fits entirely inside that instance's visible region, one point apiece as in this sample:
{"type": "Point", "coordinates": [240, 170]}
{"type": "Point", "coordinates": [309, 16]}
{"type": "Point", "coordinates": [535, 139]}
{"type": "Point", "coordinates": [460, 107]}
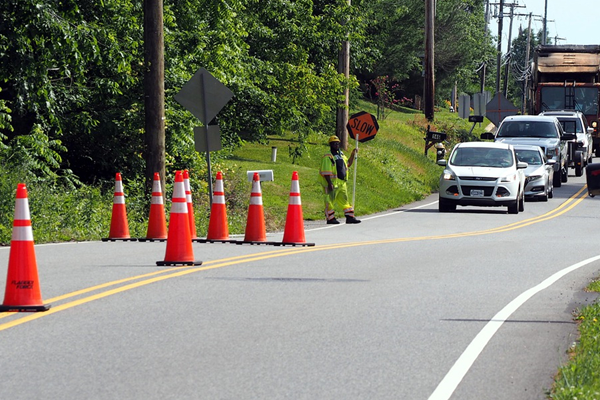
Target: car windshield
{"type": "Point", "coordinates": [481, 157]}
{"type": "Point", "coordinates": [531, 157]}
{"type": "Point", "coordinates": [538, 129]}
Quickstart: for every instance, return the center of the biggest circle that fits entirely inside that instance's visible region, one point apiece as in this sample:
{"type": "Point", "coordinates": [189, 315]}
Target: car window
{"type": "Point", "coordinates": [531, 157]}
{"type": "Point", "coordinates": [571, 125]}
{"type": "Point", "coordinates": [540, 129]}
{"type": "Point", "coordinates": [482, 157]}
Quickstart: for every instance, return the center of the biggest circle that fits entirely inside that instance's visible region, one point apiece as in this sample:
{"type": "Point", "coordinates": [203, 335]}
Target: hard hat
{"type": "Point", "coordinates": [333, 139]}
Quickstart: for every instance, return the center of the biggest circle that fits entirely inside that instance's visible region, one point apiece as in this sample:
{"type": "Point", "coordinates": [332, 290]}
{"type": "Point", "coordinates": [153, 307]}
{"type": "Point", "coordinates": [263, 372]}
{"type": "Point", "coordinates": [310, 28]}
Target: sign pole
{"type": "Point", "coordinates": [355, 162]}
{"type": "Point", "coordinates": [204, 119]}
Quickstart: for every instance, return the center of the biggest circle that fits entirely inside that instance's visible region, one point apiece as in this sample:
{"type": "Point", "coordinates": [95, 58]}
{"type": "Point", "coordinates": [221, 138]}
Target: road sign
{"type": "Point", "coordinates": [207, 136]}
{"type": "Point", "coordinates": [204, 96]}
{"type": "Point", "coordinates": [435, 136]}
{"type": "Point", "coordinates": [362, 125]}
{"type": "Point", "coordinates": [499, 108]}
{"type": "Point", "coordinates": [464, 106]}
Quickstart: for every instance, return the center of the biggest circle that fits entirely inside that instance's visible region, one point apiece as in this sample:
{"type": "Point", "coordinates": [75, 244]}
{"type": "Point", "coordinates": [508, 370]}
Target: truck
{"type": "Point", "coordinates": [567, 77]}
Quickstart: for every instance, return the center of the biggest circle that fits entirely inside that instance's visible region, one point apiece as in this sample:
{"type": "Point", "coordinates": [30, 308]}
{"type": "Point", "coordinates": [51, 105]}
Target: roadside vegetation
{"type": "Point", "coordinates": [580, 378]}
{"type": "Point", "coordinates": [392, 170]}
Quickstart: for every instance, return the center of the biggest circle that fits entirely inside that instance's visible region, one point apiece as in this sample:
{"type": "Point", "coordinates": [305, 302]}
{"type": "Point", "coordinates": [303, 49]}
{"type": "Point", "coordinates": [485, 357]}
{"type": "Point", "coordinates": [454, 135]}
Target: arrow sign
{"type": "Point", "coordinates": [363, 126]}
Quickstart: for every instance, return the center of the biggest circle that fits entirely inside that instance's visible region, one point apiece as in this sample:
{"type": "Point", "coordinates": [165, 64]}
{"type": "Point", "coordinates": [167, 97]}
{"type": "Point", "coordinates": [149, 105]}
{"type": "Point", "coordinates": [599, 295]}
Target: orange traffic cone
{"type": "Point", "coordinates": [22, 283]}
{"type": "Point", "coordinates": [293, 233]}
{"type": "Point", "coordinates": [157, 223]}
{"type": "Point", "coordinates": [179, 243]}
{"type": "Point", "coordinates": [255, 224]}
{"type": "Point", "coordinates": [119, 228]}
{"type": "Point", "coordinates": [190, 204]}
{"type": "Point", "coordinates": [217, 225]}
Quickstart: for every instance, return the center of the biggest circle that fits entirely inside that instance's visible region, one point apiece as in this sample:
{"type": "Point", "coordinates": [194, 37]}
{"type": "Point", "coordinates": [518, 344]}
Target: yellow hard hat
{"type": "Point", "coordinates": [333, 139]}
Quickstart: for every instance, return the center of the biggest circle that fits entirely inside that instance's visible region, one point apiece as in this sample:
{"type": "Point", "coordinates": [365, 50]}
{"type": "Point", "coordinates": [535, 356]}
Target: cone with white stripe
{"type": "Point", "coordinates": [157, 223]}
{"type": "Point", "coordinates": [190, 204]}
{"type": "Point", "coordinates": [294, 222]}
{"type": "Point", "coordinates": [119, 228]}
{"type": "Point", "coordinates": [22, 292]}
{"type": "Point", "coordinates": [179, 242]}
{"type": "Point", "coordinates": [217, 225]}
{"type": "Point", "coordinates": [255, 223]}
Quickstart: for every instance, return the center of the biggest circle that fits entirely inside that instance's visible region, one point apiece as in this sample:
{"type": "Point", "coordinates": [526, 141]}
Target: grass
{"type": "Point", "coordinates": [580, 378]}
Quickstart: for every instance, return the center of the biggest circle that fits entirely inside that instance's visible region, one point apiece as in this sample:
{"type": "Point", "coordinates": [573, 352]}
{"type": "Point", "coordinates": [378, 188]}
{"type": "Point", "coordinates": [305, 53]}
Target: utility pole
{"type": "Point", "coordinates": [499, 55]}
{"type": "Point", "coordinates": [545, 22]}
{"type": "Point", "coordinates": [429, 94]}
{"type": "Point", "coordinates": [154, 90]}
{"type": "Point", "coordinates": [484, 65]}
{"type": "Point", "coordinates": [342, 111]}
{"type": "Point", "coordinates": [526, 67]}
{"type": "Point", "coordinates": [509, 46]}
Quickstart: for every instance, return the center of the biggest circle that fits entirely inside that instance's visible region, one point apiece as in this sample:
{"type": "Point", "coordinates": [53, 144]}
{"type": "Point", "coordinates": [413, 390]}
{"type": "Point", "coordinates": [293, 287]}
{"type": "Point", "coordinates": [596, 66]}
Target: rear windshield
{"type": "Point", "coordinates": [571, 125]}
{"type": "Point", "coordinates": [531, 157]}
{"type": "Point", "coordinates": [481, 157]}
{"type": "Point", "coordinates": [539, 129]}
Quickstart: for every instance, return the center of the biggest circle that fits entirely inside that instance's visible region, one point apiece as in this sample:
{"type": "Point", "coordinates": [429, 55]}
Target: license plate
{"type": "Point", "coordinates": [476, 193]}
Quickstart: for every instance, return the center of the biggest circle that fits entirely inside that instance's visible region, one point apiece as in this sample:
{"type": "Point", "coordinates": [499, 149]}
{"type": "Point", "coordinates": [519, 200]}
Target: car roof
{"type": "Point", "coordinates": [530, 118]}
{"type": "Point", "coordinates": [492, 145]}
{"type": "Point", "coordinates": [569, 113]}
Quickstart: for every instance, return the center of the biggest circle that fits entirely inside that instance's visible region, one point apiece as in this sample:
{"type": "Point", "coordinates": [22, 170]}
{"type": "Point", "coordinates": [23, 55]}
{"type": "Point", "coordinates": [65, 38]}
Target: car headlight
{"type": "Point", "coordinates": [509, 178]}
{"type": "Point", "coordinates": [449, 176]}
{"type": "Point", "coordinates": [532, 178]}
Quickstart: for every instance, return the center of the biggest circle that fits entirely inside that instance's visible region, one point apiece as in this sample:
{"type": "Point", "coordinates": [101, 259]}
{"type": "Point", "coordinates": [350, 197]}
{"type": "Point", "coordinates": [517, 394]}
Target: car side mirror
{"type": "Point", "coordinates": [551, 162]}
{"type": "Point", "coordinates": [590, 129]}
{"type": "Point", "coordinates": [568, 136]}
{"type": "Point", "coordinates": [522, 165]}
{"type": "Point", "coordinates": [442, 162]}
{"type": "Point", "coordinates": [487, 136]}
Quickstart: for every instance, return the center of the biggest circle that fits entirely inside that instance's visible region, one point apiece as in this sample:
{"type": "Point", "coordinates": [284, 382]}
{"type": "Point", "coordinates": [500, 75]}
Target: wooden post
{"type": "Point", "coordinates": [429, 63]}
{"type": "Point", "coordinates": [154, 92]}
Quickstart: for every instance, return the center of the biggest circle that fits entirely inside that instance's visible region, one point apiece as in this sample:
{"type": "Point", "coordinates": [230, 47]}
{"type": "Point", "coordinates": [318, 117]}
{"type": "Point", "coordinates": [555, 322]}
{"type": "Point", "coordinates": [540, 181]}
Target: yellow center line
{"type": "Point", "coordinates": [175, 272]}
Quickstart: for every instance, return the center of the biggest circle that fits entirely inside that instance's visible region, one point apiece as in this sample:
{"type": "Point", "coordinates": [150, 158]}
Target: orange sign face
{"type": "Point", "coordinates": [362, 126]}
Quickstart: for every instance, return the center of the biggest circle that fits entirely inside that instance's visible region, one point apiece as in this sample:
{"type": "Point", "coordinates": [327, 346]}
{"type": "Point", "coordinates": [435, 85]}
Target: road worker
{"type": "Point", "coordinates": [333, 177]}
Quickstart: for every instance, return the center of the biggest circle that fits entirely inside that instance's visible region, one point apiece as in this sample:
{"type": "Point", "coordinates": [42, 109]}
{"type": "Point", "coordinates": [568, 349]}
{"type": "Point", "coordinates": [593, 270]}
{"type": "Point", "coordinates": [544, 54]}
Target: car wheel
{"type": "Point", "coordinates": [551, 192]}
{"type": "Point", "coordinates": [556, 182]}
{"type": "Point", "coordinates": [522, 203]}
{"type": "Point", "coordinates": [564, 175]}
{"type": "Point", "coordinates": [514, 208]}
{"type": "Point", "coordinates": [446, 206]}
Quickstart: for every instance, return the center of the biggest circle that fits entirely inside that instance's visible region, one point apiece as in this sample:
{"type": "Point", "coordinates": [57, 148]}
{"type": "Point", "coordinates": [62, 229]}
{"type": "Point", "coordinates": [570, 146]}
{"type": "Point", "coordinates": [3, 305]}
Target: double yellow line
{"type": "Point", "coordinates": [125, 284]}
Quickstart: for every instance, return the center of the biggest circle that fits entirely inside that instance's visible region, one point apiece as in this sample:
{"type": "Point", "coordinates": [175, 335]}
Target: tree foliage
{"type": "Point", "coordinates": [71, 72]}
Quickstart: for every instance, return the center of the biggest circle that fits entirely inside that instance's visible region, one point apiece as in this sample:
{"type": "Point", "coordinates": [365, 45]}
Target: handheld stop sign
{"type": "Point", "coordinates": [362, 127]}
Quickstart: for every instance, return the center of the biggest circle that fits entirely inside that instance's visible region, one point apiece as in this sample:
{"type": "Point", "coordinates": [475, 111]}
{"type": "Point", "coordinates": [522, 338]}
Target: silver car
{"type": "Point", "coordinates": [482, 174]}
{"type": "Point", "coordinates": [538, 174]}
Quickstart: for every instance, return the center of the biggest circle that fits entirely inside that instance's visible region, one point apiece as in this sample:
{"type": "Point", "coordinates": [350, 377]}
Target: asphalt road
{"type": "Point", "coordinates": [409, 304]}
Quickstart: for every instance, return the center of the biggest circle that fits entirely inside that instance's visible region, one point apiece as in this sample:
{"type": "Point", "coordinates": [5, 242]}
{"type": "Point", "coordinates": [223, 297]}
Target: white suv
{"type": "Point", "coordinates": [482, 174]}
{"type": "Point", "coordinates": [580, 151]}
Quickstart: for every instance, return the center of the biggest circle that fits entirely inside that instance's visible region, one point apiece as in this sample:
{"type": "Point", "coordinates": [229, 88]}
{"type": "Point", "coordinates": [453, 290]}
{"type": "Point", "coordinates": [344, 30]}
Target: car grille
{"type": "Point", "coordinates": [477, 178]}
{"type": "Point", "coordinates": [487, 190]}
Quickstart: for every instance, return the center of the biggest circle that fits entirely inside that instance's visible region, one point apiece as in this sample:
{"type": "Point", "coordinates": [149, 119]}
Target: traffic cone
{"type": "Point", "coordinates": [255, 224]}
{"type": "Point", "coordinates": [179, 242]}
{"type": "Point", "coordinates": [157, 223]}
{"type": "Point", "coordinates": [190, 204]}
{"type": "Point", "coordinates": [293, 233]}
{"type": "Point", "coordinates": [217, 225]}
{"type": "Point", "coordinates": [119, 228]}
{"type": "Point", "coordinates": [22, 292]}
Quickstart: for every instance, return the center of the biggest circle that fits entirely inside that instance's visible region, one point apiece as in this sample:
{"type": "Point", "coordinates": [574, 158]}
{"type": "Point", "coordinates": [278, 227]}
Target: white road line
{"type": "Point", "coordinates": [448, 385]}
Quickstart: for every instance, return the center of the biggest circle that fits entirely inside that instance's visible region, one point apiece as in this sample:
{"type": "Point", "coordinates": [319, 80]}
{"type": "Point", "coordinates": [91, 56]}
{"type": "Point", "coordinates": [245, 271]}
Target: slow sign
{"type": "Point", "coordinates": [363, 126]}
